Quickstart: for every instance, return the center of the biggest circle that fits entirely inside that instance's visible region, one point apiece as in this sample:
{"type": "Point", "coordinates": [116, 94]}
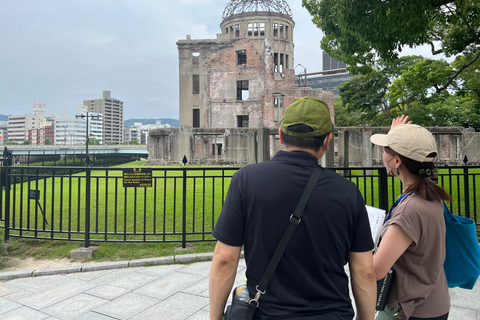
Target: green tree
{"type": "Point", "coordinates": [26, 142]}
{"type": "Point", "coordinates": [345, 117]}
{"type": "Point", "coordinates": [93, 141]}
{"type": "Point", "coordinates": [359, 32]}
{"type": "Point", "coordinates": [47, 142]}
{"type": "Point", "coordinates": [11, 143]}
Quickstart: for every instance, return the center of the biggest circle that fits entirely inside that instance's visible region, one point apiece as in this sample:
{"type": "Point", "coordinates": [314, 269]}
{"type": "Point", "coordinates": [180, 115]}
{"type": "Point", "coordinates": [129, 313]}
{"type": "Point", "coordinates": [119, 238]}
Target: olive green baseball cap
{"type": "Point", "coordinates": [309, 111]}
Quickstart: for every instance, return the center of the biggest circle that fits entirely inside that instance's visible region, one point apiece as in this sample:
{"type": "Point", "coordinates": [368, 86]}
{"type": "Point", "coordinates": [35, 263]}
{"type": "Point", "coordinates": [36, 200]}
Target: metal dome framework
{"type": "Point", "coordinates": [243, 6]}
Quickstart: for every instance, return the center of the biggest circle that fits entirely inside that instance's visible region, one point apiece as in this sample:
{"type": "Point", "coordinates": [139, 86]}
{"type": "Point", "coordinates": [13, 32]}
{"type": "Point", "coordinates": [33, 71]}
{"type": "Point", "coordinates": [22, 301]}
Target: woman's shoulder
{"type": "Point", "coordinates": [415, 206]}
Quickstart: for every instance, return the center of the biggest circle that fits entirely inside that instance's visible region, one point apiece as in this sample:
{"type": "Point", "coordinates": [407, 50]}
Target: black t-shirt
{"type": "Point", "coordinates": [310, 279]}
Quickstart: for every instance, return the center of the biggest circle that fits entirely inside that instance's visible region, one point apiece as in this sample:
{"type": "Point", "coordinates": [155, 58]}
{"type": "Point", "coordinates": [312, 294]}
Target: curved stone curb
{"type": "Point", "coordinates": [181, 258]}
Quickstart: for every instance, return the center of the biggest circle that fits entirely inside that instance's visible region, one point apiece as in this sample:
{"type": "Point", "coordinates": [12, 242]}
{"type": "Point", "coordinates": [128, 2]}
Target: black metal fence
{"type": "Point", "coordinates": [181, 205]}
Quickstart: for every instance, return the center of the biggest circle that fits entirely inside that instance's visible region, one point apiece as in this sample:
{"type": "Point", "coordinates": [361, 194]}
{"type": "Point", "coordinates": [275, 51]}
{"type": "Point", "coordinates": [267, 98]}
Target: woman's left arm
{"type": "Point", "coordinates": [393, 245]}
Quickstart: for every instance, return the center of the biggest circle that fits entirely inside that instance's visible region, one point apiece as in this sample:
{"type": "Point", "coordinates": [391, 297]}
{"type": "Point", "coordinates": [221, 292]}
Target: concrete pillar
{"type": "Point", "coordinates": [263, 144]}
{"type": "Point", "coordinates": [251, 147]}
{"type": "Point", "coordinates": [367, 160]}
{"type": "Point", "coordinates": [181, 144]}
{"type": "Point", "coordinates": [343, 149]}
{"type": "Point", "coordinates": [328, 160]}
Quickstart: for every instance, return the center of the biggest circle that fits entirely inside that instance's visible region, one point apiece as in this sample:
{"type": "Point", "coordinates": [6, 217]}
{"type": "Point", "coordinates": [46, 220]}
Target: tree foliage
{"type": "Point", "coordinates": [359, 32]}
{"type": "Point", "coordinates": [405, 86]}
{"type": "Point", "coordinates": [93, 141]}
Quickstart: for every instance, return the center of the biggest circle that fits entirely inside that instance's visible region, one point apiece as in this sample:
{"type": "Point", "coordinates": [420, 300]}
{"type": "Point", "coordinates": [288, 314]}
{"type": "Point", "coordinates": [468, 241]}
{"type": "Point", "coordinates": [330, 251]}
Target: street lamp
{"type": "Point", "coordinates": [86, 116]}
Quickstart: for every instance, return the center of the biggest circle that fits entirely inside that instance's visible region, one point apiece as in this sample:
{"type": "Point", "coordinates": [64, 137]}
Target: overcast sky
{"type": "Point", "coordinates": [61, 52]}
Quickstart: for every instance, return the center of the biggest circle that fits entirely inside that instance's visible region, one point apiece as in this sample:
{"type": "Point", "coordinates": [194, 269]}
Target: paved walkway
{"type": "Point", "coordinates": [122, 291]}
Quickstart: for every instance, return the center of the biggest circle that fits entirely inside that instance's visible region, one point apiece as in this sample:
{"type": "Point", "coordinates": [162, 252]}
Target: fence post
{"type": "Point", "coordinates": [466, 190]}
{"type": "Point", "coordinates": [184, 213]}
{"type": "Point", "coordinates": [7, 169]}
{"type": "Point", "coordinates": [383, 188]}
{"type": "Point", "coordinates": [88, 173]}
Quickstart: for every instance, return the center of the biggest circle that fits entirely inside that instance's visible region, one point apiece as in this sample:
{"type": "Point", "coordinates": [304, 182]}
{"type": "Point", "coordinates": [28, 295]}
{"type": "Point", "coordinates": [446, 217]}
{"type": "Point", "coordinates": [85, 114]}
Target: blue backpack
{"type": "Point", "coordinates": [462, 261]}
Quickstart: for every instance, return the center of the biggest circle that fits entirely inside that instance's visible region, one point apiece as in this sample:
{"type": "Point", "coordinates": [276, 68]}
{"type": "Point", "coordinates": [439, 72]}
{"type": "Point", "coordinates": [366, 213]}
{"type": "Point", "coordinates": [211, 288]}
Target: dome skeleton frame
{"type": "Point", "coordinates": [243, 6]}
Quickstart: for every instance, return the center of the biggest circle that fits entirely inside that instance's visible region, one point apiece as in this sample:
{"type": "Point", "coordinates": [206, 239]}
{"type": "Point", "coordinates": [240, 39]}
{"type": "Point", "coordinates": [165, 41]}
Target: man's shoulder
{"type": "Point", "coordinates": [338, 180]}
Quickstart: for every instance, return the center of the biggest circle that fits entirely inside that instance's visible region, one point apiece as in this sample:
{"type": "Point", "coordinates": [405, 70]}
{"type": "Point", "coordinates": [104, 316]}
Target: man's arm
{"type": "Point", "coordinates": [364, 285]}
{"type": "Point", "coordinates": [222, 276]}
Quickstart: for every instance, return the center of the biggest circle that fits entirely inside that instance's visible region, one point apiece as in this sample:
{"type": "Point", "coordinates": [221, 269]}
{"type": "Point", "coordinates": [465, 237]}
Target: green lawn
{"type": "Point", "coordinates": [156, 213]}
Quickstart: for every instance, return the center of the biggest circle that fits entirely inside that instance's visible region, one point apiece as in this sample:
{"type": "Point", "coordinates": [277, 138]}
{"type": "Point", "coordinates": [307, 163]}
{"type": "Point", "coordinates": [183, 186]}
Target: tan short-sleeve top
{"type": "Point", "coordinates": [421, 285]}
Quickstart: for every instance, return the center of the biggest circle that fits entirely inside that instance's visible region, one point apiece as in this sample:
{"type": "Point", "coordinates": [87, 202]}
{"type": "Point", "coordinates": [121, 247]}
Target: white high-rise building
{"type": "Point", "coordinates": [112, 111]}
{"type": "Point", "coordinates": [95, 122]}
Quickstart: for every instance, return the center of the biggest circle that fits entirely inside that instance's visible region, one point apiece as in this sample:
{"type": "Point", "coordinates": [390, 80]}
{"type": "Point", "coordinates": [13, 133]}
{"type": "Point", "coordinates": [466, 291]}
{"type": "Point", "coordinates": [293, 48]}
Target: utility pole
{"type": "Point", "coordinates": [87, 116]}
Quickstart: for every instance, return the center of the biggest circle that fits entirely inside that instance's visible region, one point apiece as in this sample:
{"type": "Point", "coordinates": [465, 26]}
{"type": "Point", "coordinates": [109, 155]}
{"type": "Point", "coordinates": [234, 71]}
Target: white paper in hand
{"type": "Point", "coordinates": [376, 217]}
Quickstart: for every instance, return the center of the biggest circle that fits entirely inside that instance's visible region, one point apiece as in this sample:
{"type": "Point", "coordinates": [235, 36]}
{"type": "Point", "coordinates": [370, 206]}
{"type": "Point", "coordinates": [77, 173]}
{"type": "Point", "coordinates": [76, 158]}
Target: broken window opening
{"type": "Point", "coordinates": [237, 30]}
{"type": "Point", "coordinates": [231, 29]}
{"type": "Point", "coordinates": [286, 32]}
{"type": "Point", "coordinates": [275, 29]}
{"type": "Point", "coordinates": [196, 84]}
{"type": "Point", "coordinates": [262, 29]}
{"type": "Point", "coordinates": [242, 90]}
{"type": "Point", "coordinates": [286, 62]}
{"type": "Point", "coordinates": [280, 68]}
{"type": "Point", "coordinates": [242, 121]}
{"type": "Point", "coordinates": [275, 61]}
{"type": "Point", "coordinates": [281, 34]}
{"type": "Point", "coordinates": [250, 29]}
{"type": "Point", "coordinates": [196, 118]}
{"type": "Point", "coordinates": [195, 57]}
{"type": "Point", "coordinates": [277, 107]}
{"type": "Point", "coordinates": [256, 26]}
{"type": "Point", "coordinates": [241, 57]}
{"type": "Point", "coordinates": [216, 147]}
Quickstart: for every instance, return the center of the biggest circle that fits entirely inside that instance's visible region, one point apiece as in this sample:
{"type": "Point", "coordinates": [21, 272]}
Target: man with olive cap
{"type": "Point", "coordinates": [310, 281]}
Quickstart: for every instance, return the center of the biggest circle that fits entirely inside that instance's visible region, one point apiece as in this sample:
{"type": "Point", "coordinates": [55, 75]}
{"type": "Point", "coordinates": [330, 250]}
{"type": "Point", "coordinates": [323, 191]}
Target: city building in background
{"type": "Point", "coordinates": [134, 133]}
{"type": "Point", "coordinates": [95, 123]}
{"type": "Point", "coordinates": [69, 131]}
{"type": "Point", "coordinates": [35, 136]}
{"type": "Point", "coordinates": [139, 131]}
{"type": "Point", "coordinates": [18, 125]}
{"type": "Point", "coordinates": [333, 76]}
{"type": "Point", "coordinates": [3, 132]}
{"type": "Point", "coordinates": [112, 111]}
{"type": "Point", "coordinates": [50, 134]}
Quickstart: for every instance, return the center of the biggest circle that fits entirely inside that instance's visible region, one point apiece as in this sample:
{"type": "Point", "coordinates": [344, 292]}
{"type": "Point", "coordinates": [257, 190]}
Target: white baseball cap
{"type": "Point", "coordinates": [409, 140]}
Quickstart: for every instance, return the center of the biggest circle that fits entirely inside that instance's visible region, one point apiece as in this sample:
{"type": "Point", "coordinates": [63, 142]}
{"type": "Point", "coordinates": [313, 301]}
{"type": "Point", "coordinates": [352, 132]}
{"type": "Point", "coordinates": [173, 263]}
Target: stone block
{"type": "Point", "coordinates": [182, 258]}
{"type": "Point", "coordinates": [151, 261]}
{"type": "Point", "coordinates": [15, 274]}
{"type": "Point", "coordinates": [105, 266]}
{"type": "Point", "coordinates": [53, 271]}
{"type": "Point", "coordinates": [82, 253]}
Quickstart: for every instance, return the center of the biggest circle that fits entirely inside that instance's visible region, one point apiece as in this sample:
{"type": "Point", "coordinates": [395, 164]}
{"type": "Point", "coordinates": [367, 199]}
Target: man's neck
{"type": "Point", "coordinates": [318, 155]}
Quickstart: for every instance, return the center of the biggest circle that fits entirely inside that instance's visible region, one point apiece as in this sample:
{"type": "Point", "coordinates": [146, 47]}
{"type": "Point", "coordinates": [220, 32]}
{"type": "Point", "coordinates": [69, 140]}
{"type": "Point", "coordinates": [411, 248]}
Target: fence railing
{"type": "Point", "coordinates": [181, 205]}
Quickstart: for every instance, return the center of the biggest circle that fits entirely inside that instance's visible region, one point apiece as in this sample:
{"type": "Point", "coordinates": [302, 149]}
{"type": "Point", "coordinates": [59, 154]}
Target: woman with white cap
{"type": "Point", "coordinates": [413, 236]}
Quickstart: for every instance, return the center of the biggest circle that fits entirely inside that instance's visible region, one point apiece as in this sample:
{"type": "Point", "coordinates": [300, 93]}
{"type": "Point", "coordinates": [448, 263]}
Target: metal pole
{"type": "Point", "coordinates": [466, 191]}
{"type": "Point", "coordinates": [184, 215]}
{"type": "Point", "coordinates": [87, 207]}
{"type": "Point", "coordinates": [7, 163]}
{"type": "Point", "coordinates": [88, 156]}
{"type": "Point", "coordinates": [383, 189]}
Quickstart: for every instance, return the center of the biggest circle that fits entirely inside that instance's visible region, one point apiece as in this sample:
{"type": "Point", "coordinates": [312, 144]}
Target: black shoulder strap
{"type": "Point", "coordinates": [295, 219]}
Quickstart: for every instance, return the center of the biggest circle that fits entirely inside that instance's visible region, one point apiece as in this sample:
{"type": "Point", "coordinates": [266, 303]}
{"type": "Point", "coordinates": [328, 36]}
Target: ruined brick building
{"type": "Point", "coordinates": [244, 78]}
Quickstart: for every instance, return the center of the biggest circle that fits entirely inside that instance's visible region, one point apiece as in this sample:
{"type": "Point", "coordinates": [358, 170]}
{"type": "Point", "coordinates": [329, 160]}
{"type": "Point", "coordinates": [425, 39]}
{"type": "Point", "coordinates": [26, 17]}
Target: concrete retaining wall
{"type": "Point", "coordinates": [242, 146]}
